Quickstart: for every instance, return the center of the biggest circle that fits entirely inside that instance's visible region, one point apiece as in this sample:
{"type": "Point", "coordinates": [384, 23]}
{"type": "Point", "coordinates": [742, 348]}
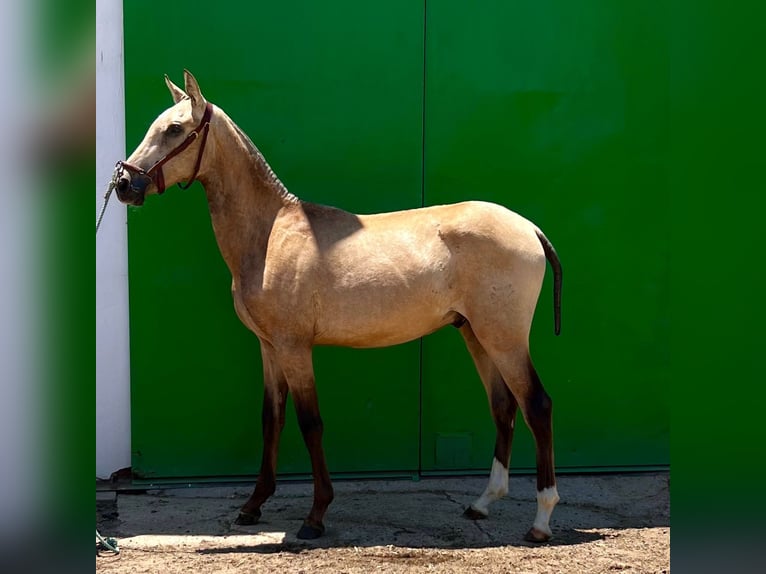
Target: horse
{"type": "Point", "coordinates": [305, 274]}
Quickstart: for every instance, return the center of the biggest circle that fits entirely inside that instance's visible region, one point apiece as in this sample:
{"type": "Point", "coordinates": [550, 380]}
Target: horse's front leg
{"type": "Point", "coordinates": [299, 371]}
{"type": "Point", "coordinates": [273, 420]}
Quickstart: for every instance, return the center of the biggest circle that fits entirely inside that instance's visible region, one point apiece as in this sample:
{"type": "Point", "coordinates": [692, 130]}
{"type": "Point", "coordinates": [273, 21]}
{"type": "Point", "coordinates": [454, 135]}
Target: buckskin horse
{"type": "Point", "coordinates": [305, 274]}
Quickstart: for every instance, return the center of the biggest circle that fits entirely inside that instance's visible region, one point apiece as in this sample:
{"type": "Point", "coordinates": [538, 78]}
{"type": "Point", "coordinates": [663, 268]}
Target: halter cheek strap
{"type": "Point", "coordinates": [154, 173]}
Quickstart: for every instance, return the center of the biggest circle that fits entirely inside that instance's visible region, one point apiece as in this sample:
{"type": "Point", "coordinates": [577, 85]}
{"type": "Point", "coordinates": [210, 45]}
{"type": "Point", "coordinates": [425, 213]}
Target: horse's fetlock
{"type": "Point", "coordinates": [269, 488]}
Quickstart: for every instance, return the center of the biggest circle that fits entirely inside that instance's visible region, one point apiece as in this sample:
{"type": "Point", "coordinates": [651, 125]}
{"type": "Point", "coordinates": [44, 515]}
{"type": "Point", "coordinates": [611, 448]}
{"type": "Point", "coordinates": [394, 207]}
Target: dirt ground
{"type": "Point", "coordinates": [604, 523]}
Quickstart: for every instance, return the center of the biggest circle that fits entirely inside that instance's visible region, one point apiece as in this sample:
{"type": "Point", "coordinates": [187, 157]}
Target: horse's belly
{"type": "Point", "coordinates": [382, 326]}
{"type": "Point", "coordinates": [377, 336]}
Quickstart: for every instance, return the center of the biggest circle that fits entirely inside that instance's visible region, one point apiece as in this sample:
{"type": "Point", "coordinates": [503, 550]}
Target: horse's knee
{"type": "Point", "coordinates": [310, 424]}
{"type": "Point", "coordinates": [502, 401]}
{"type": "Point", "coordinates": [542, 403]}
{"type": "Point", "coordinates": [309, 418]}
{"type": "Point", "coordinates": [272, 416]}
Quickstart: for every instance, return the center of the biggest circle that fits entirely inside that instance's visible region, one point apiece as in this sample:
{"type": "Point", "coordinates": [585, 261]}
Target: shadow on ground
{"type": "Point", "coordinates": [405, 514]}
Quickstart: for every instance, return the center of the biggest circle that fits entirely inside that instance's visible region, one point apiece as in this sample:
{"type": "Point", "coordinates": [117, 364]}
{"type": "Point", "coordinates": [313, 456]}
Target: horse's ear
{"type": "Point", "coordinates": [194, 93]}
{"type": "Point", "coordinates": [177, 93]}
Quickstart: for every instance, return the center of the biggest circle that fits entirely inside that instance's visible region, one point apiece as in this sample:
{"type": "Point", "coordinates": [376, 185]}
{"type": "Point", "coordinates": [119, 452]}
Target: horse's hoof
{"type": "Point", "coordinates": [536, 535]}
{"type": "Point", "coordinates": [247, 518]}
{"type": "Point", "coordinates": [309, 532]}
{"type": "Point", "coordinates": [473, 514]}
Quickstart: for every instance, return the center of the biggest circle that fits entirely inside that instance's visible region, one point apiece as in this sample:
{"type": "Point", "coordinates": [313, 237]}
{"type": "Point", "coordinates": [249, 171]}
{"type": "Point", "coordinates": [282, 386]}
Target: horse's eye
{"type": "Point", "coordinates": [174, 129]}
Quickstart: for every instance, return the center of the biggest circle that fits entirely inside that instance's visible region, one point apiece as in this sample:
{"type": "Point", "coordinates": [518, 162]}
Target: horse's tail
{"type": "Point", "coordinates": [553, 259]}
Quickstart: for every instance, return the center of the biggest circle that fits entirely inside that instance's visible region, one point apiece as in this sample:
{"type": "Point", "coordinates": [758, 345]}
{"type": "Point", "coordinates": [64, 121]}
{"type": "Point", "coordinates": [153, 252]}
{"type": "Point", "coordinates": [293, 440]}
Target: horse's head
{"type": "Point", "coordinates": [172, 148]}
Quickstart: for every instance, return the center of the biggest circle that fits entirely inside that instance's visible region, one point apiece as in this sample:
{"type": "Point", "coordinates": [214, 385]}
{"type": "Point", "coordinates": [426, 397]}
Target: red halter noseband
{"type": "Point", "coordinates": [154, 173]}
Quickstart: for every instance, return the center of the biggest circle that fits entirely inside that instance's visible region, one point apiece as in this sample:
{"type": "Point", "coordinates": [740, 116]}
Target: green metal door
{"type": "Point", "coordinates": [332, 95]}
{"type": "Point", "coordinates": [554, 110]}
{"type": "Point", "coordinates": [558, 111]}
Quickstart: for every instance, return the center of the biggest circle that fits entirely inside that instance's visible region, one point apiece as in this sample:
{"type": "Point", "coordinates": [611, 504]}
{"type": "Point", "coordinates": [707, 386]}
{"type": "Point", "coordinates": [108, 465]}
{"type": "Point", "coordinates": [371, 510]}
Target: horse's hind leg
{"type": "Point", "coordinates": [536, 406]}
{"type": "Point", "coordinates": [273, 421]}
{"type": "Point", "coordinates": [503, 406]}
{"type": "Point", "coordinates": [538, 409]}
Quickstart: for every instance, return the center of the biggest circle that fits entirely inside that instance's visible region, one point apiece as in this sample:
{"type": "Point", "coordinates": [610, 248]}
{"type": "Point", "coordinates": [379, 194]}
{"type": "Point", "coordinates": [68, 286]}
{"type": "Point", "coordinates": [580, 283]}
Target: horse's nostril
{"type": "Point", "coordinates": [123, 184]}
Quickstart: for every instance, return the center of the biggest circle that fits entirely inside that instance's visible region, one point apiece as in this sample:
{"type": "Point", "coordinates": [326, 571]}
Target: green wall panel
{"type": "Point", "coordinates": [332, 95]}
{"type": "Point", "coordinates": [558, 111]}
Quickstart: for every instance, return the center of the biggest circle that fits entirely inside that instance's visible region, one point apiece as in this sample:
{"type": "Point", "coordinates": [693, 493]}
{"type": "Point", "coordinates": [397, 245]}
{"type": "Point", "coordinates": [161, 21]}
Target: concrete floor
{"type": "Point", "coordinates": [422, 514]}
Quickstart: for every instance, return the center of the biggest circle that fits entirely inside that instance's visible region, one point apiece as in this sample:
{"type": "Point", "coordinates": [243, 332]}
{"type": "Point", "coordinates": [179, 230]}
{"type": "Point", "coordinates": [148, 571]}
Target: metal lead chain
{"type": "Point", "coordinates": [109, 188]}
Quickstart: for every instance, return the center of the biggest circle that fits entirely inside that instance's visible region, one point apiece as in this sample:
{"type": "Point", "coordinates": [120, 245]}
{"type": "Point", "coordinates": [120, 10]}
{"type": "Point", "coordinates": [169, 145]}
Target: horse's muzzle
{"type": "Point", "coordinates": [131, 188]}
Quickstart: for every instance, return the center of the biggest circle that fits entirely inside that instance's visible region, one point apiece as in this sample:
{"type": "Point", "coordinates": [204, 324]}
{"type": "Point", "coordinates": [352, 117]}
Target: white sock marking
{"type": "Point", "coordinates": [496, 489]}
{"type": "Point", "coordinates": [546, 500]}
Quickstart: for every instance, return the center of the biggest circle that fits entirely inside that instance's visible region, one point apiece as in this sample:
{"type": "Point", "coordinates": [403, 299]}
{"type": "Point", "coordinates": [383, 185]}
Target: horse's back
{"type": "Point", "coordinates": [474, 241]}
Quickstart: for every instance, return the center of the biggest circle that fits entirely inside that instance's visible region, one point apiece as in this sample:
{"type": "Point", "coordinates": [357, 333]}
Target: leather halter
{"type": "Point", "coordinates": [154, 173]}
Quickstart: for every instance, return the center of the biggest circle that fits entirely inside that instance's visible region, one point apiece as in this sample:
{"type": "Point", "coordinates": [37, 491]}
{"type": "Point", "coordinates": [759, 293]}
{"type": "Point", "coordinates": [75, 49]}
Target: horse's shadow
{"type": "Point", "coordinates": [426, 514]}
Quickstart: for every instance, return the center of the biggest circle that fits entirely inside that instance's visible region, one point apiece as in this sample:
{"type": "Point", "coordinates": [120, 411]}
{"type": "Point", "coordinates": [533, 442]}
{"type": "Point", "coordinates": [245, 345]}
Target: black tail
{"type": "Point", "coordinates": [553, 259]}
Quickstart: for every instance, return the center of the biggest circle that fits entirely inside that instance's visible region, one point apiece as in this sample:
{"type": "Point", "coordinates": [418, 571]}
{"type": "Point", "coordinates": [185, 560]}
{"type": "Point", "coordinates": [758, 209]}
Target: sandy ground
{"type": "Point", "coordinates": [604, 523]}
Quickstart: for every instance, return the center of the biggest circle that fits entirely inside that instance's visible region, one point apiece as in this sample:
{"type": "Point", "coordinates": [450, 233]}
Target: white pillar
{"type": "Point", "coordinates": [21, 351]}
{"type": "Point", "coordinates": [112, 341]}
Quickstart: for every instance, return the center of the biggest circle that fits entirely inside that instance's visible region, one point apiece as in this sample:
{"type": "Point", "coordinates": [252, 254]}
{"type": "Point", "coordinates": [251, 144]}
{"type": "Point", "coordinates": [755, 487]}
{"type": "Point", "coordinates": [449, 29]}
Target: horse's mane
{"type": "Point", "coordinates": [256, 153]}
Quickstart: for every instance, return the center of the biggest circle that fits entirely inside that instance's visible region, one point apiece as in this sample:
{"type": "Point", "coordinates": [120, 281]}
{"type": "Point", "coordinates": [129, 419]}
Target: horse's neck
{"type": "Point", "coordinates": [244, 196]}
